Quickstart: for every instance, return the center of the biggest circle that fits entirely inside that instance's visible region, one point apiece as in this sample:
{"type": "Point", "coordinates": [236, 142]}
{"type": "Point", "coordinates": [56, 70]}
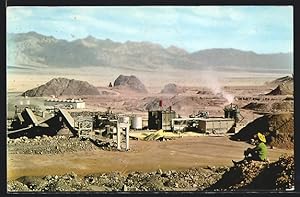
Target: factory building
{"type": "Point", "coordinates": [161, 119]}
{"type": "Point", "coordinates": [216, 125]}
{"type": "Point", "coordinates": [66, 103]}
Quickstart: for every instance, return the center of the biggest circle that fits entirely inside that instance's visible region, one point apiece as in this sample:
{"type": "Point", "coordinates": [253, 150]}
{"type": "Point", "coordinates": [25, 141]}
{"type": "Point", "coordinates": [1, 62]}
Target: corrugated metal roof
{"type": "Point", "coordinates": [68, 117]}
{"type": "Point", "coordinates": [31, 116]}
{"type": "Point", "coordinates": [20, 117]}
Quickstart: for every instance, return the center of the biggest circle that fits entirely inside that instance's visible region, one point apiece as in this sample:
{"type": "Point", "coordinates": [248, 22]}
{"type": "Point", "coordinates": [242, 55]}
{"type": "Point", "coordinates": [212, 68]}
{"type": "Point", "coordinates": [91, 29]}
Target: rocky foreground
{"type": "Point", "coordinates": [255, 175]}
{"type": "Point", "coordinates": [192, 179]}
{"type": "Point", "coordinates": [250, 175]}
{"type": "Point", "coordinates": [246, 175]}
{"type": "Point", "coordinates": [56, 145]}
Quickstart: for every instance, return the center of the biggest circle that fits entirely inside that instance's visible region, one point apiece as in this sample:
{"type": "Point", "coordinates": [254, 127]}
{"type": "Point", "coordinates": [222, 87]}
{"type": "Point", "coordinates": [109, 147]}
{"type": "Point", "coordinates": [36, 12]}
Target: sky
{"type": "Point", "coordinates": [262, 29]}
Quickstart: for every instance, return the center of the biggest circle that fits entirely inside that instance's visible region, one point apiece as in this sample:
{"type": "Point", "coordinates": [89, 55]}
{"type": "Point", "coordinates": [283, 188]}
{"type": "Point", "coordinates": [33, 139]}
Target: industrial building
{"type": "Point", "coordinates": [161, 119]}
{"type": "Point", "coordinates": [216, 125]}
{"type": "Point", "coordinates": [66, 103]}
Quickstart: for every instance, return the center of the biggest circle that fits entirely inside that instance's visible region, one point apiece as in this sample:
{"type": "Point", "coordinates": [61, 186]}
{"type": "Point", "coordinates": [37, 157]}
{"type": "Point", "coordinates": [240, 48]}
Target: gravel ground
{"type": "Point", "coordinates": [171, 180]}
{"type": "Point", "coordinates": [56, 145]}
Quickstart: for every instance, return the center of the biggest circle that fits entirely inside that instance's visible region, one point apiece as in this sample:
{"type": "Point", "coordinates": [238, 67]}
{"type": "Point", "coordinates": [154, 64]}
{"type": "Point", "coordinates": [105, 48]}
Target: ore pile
{"type": "Point", "coordinates": [55, 145]}
{"type": "Point", "coordinates": [286, 88]}
{"type": "Point", "coordinates": [131, 82]}
{"type": "Point", "coordinates": [283, 106]}
{"type": "Point", "coordinates": [63, 86]}
{"type": "Point", "coordinates": [171, 88]}
{"type": "Point", "coordinates": [280, 80]}
{"type": "Point", "coordinates": [256, 175]}
{"type": "Point", "coordinates": [170, 180]}
{"type": "Point", "coordinates": [278, 129]}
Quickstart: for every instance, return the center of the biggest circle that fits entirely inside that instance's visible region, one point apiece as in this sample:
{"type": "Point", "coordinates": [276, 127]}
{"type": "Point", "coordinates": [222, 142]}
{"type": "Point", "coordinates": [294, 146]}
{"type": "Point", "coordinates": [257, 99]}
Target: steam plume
{"type": "Point", "coordinates": [211, 80]}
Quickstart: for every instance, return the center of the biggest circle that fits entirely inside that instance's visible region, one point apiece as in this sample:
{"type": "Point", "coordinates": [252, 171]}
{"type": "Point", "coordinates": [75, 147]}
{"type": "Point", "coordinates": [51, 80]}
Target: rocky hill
{"type": "Point", "coordinates": [286, 88]}
{"type": "Point", "coordinates": [281, 80]}
{"type": "Point", "coordinates": [34, 51]}
{"type": "Point", "coordinates": [63, 87]}
{"type": "Point", "coordinates": [130, 83]}
{"type": "Point", "coordinates": [171, 88]}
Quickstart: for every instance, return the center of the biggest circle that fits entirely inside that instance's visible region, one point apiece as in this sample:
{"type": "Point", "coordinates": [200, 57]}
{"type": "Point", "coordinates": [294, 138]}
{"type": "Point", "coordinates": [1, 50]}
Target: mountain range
{"type": "Point", "coordinates": [35, 51]}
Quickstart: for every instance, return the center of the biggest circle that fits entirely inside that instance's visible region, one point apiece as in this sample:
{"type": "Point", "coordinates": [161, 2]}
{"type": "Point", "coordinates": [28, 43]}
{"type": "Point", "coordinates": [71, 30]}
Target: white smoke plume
{"type": "Point", "coordinates": [211, 80]}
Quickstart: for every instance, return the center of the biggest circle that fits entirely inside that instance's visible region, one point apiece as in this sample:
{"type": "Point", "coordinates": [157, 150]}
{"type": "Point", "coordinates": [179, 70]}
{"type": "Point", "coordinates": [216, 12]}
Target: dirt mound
{"type": "Point", "coordinates": [131, 82]}
{"type": "Point", "coordinates": [257, 175]}
{"type": "Point", "coordinates": [171, 88]}
{"type": "Point", "coordinates": [63, 87]}
{"type": "Point", "coordinates": [285, 88]}
{"type": "Point", "coordinates": [278, 129]}
{"type": "Point", "coordinates": [284, 106]}
{"type": "Point", "coordinates": [256, 106]}
{"type": "Point", "coordinates": [280, 80]}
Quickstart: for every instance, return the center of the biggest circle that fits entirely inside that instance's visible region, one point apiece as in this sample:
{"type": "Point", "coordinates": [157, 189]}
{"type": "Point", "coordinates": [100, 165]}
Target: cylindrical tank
{"type": "Point", "coordinates": [137, 122]}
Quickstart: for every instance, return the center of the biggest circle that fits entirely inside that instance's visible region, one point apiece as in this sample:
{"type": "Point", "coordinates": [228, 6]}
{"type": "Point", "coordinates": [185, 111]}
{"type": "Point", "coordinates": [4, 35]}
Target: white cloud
{"type": "Point", "coordinates": [15, 14]}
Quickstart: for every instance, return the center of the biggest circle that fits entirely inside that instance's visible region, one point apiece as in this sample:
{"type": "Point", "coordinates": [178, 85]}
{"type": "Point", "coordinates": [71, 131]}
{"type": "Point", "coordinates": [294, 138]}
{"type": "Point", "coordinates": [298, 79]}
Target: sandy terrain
{"type": "Point", "coordinates": [181, 153]}
{"type": "Point", "coordinates": [102, 76]}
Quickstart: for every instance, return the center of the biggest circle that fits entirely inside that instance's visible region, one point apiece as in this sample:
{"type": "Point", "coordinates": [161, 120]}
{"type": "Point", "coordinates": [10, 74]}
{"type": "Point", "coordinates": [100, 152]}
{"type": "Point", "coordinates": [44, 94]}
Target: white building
{"type": "Point", "coordinates": [66, 103]}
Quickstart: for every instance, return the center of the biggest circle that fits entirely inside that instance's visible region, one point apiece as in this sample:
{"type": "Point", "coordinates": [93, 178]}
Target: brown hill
{"type": "Point", "coordinates": [131, 83]}
{"type": "Point", "coordinates": [278, 129]}
{"type": "Point", "coordinates": [171, 88]}
{"type": "Point", "coordinates": [283, 89]}
{"type": "Point", "coordinates": [283, 106]}
{"type": "Point", "coordinates": [63, 87]}
{"type": "Point", "coordinates": [280, 80]}
{"type": "Point", "coordinates": [285, 86]}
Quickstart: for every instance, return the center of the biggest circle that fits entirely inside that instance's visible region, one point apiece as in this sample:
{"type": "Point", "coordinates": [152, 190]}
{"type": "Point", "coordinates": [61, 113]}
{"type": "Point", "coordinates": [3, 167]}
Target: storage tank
{"type": "Point", "coordinates": [137, 122]}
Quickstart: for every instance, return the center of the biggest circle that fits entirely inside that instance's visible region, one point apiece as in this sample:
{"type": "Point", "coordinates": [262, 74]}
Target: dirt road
{"type": "Point", "coordinates": [181, 153]}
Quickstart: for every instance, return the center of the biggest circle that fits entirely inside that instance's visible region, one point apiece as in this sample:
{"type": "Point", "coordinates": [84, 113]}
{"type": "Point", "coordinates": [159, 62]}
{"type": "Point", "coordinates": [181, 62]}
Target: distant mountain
{"type": "Point", "coordinates": [34, 51]}
{"type": "Point", "coordinates": [233, 58]}
{"type": "Point", "coordinates": [63, 87]}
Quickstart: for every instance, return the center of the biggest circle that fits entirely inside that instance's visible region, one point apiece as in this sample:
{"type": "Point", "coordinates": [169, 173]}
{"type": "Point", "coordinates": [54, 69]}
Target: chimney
{"type": "Point", "coordinates": [160, 103]}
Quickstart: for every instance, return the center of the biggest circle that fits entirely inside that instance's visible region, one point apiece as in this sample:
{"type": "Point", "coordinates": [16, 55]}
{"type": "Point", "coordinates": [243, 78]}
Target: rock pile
{"type": "Point", "coordinates": [171, 88]}
{"type": "Point", "coordinates": [246, 175]}
{"type": "Point", "coordinates": [255, 175]}
{"type": "Point", "coordinates": [283, 106]}
{"type": "Point", "coordinates": [130, 82]}
{"type": "Point", "coordinates": [61, 87]}
{"type": "Point", "coordinates": [169, 180]}
{"type": "Point", "coordinates": [278, 129]}
{"type": "Point", "coordinates": [55, 145]}
{"type": "Point", "coordinates": [285, 86]}
{"type": "Point", "coordinates": [280, 80]}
